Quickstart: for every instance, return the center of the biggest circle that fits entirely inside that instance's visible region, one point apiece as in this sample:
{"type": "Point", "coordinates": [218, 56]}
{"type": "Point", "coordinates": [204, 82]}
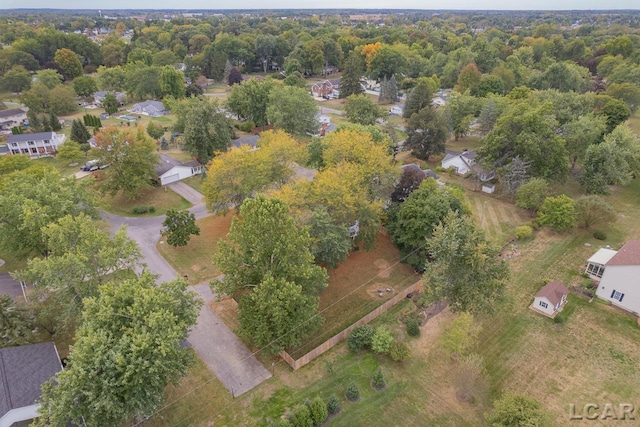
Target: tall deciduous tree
{"type": "Point", "coordinates": [249, 100]}
{"type": "Point", "coordinates": [49, 78]}
{"type": "Point", "coordinates": [426, 133]}
{"type": "Point", "coordinates": [16, 80]}
{"type": "Point", "coordinates": [558, 212]}
{"type": "Point", "coordinates": [70, 151]}
{"type": "Point", "coordinates": [155, 130]}
{"type": "Point", "coordinates": [81, 257]}
{"type": "Point", "coordinates": [531, 194]}
{"type": "Point", "coordinates": [362, 110]}
{"type": "Point", "coordinates": [179, 226]}
{"type": "Point", "coordinates": [130, 154]}
{"type": "Point", "coordinates": [110, 103]}
{"type": "Point", "coordinates": [292, 110]}
{"type": "Point", "coordinates": [135, 328]}
{"type": "Point", "coordinates": [15, 323]}
{"type": "Point", "coordinates": [69, 63]}
{"type": "Point", "coordinates": [265, 240]}
{"type": "Point", "coordinates": [593, 210]}
{"type": "Point", "coordinates": [466, 270]}
{"type": "Point", "coordinates": [31, 200]}
{"type": "Point", "coordinates": [172, 82]}
{"type": "Point", "coordinates": [84, 86]}
{"type": "Point", "coordinates": [205, 128]}
{"type": "Point", "coordinates": [330, 242]}
{"type": "Point", "coordinates": [580, 134]}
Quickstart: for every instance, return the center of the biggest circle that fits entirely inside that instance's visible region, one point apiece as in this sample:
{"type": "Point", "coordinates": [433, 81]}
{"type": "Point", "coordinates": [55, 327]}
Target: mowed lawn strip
{"type": "Point", "coordinates": [195, 259]}
{"type": "Point", "coordinates": [160, 198]}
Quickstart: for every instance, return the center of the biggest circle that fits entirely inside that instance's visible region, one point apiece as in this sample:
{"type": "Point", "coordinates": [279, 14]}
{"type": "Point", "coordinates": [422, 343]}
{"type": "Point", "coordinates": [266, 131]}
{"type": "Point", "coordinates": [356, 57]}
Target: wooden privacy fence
{"type": "Point", "coordinates": [341, 336]}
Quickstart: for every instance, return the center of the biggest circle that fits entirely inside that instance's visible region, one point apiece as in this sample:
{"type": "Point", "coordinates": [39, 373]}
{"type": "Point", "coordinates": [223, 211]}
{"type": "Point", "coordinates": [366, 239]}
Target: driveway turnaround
{"type": "Point", "coordinates": [218, 347]}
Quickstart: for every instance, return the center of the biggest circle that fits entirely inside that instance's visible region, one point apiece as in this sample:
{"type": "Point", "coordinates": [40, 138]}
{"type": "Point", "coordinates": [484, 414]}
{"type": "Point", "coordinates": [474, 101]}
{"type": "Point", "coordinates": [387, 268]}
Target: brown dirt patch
{"type": "Point", "coordinates": [373, 291]}
{"type": "Point", "coordinates": [382, 265]}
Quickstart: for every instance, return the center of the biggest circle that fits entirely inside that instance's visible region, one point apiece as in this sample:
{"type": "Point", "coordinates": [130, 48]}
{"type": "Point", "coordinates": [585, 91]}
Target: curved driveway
{"type": "Point", "coordinates": [218, 347]}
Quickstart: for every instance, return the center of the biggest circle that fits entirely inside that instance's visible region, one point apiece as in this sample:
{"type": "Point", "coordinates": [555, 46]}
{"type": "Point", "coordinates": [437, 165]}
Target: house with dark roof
{"type": "Point", "coordinates": [428, 173]}
{"type": "Point", "coordinates": [171, 170]}
{"type": "Point", "coordinates": [329, 88]}
{"type": "Point", "coordinates": [251, 141]}
{"type": "Point", "coordinates": [11, 118]}
{"type": "Point", "coordinates": [551, 299]}
{"type": "Point", "coordinates": [42, 144]}
{"type": "Point", "coordinates": [150, 108]}
{"type": "Point", "coordinates": [98, 97]}
{"type": "Point", "coordinates": [23, 370]}
{"type": "Point", "coordinates": [619, 275]}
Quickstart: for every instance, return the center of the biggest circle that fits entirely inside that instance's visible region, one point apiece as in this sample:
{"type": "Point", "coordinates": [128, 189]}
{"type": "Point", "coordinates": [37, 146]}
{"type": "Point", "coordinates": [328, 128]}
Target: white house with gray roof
{"type": "Point", "coordinates": [12, 118]}
{"type": "Point", "coordinates": [35, 145]}
{"type": "Point", "coordinates": [171, 170]}
{"type": "Point", "coordinates": [23, 370]}
{"type": "Point", "coordinates": [150, 108]}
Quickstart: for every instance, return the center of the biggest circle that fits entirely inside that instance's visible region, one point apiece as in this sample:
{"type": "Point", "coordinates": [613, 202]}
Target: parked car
{"type": "Point", "coordinates": [90, 166]}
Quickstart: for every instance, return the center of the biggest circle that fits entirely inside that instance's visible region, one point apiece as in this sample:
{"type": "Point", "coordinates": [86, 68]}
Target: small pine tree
{"type": "Point", "coordinates": [353, 393]}
{"type": "Point", "coordinates": [318, 410]}
{"type": "Point", "coordinates": [79, 132]}
{"type": "Point", "coordinates": [333, 405]}
{"type": "Point", "coordinates": [54, 122]}
{"type": "Point", "coordinates": [164, 145]}
{"type": "Point", "coordinates": [378, 379]}
{"type": "Point", "coordinates": [17, 130]}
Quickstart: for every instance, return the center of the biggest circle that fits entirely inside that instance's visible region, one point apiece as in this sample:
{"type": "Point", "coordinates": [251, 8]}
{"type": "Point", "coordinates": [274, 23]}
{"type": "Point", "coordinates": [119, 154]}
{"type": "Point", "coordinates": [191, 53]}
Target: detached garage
{"type": "Point", "coordinates": [171, 170]}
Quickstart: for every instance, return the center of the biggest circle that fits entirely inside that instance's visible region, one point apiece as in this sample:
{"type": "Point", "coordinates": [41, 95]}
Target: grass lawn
{"type": "Point", "coordinates": [469, 142]}
{"type": "Point", "coordinates": [497, 217]}
{"type": "Point", "coordinates": [162, 198]}
{"type": "Point", "coordinates": [64, 167]}
{"type": "Point", "coordinates": [194, 259]}
{"type": "Point", "coordinates": [194, 182]}
{"type": "Point", "coordinates": [13, 261]}
{"type": "Point", "coordinates": [353, 289]}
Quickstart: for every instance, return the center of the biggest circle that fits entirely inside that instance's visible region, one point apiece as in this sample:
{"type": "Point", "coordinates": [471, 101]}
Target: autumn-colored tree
{"type": "Point", "coordinates": [69, 63]}
{"type": "Point", "coordinates": [468, 78]}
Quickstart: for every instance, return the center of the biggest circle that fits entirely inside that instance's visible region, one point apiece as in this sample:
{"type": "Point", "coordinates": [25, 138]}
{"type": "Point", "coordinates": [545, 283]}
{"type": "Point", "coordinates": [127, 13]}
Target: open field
{"type": "Point", "coordinates": [194, 259]}
{"type": "Point", "coordinates": [161, 198]}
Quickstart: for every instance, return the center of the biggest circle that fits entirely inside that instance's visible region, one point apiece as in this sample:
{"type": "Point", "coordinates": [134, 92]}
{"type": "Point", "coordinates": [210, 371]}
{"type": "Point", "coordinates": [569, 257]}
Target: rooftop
{"type": "Point", "coordinates": [553, 291]}
{"type": "Point", "coordinates": [602, 256]}
{"type": "Point", "coordinates": [12, 112]}
{"type": "Point", "coordinates": [30, 137]}
{"type": "Point", "coordinates": [629, 254]}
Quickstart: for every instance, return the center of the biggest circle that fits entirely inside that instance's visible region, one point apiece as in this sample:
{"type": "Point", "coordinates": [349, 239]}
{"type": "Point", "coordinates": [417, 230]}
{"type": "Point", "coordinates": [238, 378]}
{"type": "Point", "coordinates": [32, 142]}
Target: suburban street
{"type": "Point", "coordinates": [218, 347]}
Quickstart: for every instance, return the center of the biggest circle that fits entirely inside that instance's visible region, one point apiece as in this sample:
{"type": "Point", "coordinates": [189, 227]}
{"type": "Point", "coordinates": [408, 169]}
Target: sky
{"type": "Point", "coordinates": [327, 4]}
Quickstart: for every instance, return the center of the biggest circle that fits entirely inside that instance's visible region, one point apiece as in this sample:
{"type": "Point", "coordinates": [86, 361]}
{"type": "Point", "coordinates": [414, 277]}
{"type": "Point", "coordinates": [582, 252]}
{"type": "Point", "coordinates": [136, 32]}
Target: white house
{"type": "Point", "coordinates": [150, 108]}
{"type": "Point", "coordinates": [438, 101]}
{"type": "Point", "coordinates": [595, 264]}
{"type": "Point", "coordinates": [620, 278]}
{"type": "Point", "coordinates": [397, 110]}
{"type": "Point", "coordinates": [550, 299]}
{"type": "Point", "coordinates": [23, 370]}
{"type": "Point", "coordinates": [12, 118]}
{"type": "Point", "coordinates": [460, 162]}
{"type": "Point", "coordinates": [171, 170]}
{"type": "Point", "coordinates": [35, 144]}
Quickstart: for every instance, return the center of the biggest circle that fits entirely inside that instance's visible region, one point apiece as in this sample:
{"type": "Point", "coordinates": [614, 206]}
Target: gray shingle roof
{"type": "Point", "coordinates": [3, 149]}
{"type": "Point", "coordinates": [12, 112]}
{"type": "Point", "coordinates": [30, 137]}
{"type": "Point", "coordinates": [251, 140]}
{"type": "Point", "coordinates": [23, 370]}
{"type": "Point", "coordinates": [166, 163]}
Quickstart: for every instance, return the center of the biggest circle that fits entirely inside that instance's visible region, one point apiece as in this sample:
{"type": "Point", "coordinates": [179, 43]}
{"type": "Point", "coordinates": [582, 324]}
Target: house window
{"type": "Point", "coordinates": [46, 141]}
{"type": "Point", "coordinates": [543, 304]}
{"type": "Point", "coordinates": [595, 270]}
{"type": "Point", "coordinates": [34, 150]}
{"type": "Point", "coordinates": [32, 143]}
{"type": "Point", "coordinates": [14, 144]}
{"type": "Point", "coordinates": [617, 295]}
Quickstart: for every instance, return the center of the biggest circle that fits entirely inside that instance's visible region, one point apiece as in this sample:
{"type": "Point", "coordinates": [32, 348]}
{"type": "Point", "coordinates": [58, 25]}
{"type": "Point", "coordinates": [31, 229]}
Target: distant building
{"type": "Point", "coordinates": [397, 110]}
{"type": "Point", "coordinates": [150, 108]}
{"type": "Point", "coordinates": [12, 118]}
{"type": "Point", "coordinates": [98, 97]}
{"type": "Point", "coordinates": [329, 88]}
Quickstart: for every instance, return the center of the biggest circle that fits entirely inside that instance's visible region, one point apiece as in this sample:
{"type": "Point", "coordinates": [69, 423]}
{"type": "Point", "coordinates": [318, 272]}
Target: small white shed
{"type": "Point", "coordinates": [550, 299]}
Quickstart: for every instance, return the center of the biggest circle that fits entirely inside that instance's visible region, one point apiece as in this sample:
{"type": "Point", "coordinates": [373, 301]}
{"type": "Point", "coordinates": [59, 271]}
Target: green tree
{"type": "Point", "coordinates": [79, 132]}
{"type": "Point", "coordinates": [205, 128]}
{"type": "Point", "coordinates": [81, 257]}
{"type": "Point", "coordinates": [85, 86]}
{"type": "Point", "coordinates": [266, 240]}
{"type": "Point", "coordinates": [179, 225]}
{"type": "Point", "coordinates": [515, 410]}
{"type": "Point", "coordinates": [426, 133]}
{"type": "Point", "coordinates": [468, 78]}
{"type": "Point", "coordinates": [330, 242]}
{"type": "Point", "coordinates": [531, 194]}
{"type": "Point", "coordinates": [110, 104]}
{"type": "Point", "coordinates": [318, 410]}
{"type": "Point", "coordinates": [30, 201]}
{"type": "Point", "coordinates": [558, 212]}
{"type": "Point", "coordinates": [114, 78]}
{"type": "Point", "coordinates": [70, 151]}
{"type": "Point", "coordinates": [627, 92]}
{"type": "Point", "coordinates": [15, 80]}
{"type": "Point", "coordinates": [593, 210]}
{"type": "Point", "coordinates": [580, 134]}
{"type": "Point", "coordinates": [15, 323]}
{"type": "Point", "coordinates": [615, 111]}
{"type": "Point", "coordinates": [62, 101]}
{"type": "Point", "coordinates": [172, 82]}
{"type": "Point", "coordinates": [265, 46]}
{"type": "Point", "coordinates": [131, 157]}
{"type": "Point", "coordinates": [155, 130]}
{"type": "Point", "coordinates": [163, 58]}
{"type": "Point", "coordinates": [351, 74]}
{"type": "Point", "coordinates": [278, 314]}
{"type": "Point", "coordinates": [466, 270]}
{"type": "Point", "coordinates": [292, 110]}
{"type": "Point", "coordinates": [362, 110]}
{"type": "Point", "coordinates": [68, 61]}
{"type": "Point", "coordinates": [381, 340]}
{"type": "Point", "coordinates": [48, 77]}
{"type": "Point", "coordinates": [136, 327]}
{"type": "Point", "coordinates": [143, 81]}
{"type": "Point", "coordinates": [462, 335]}
{"type": "Point", "coordinates": [249, 100]}
{"type": "Point", "coordinates": [386, 62]}
{"type": "Point", "coordinates": [419, 98]}
{"type": "Point", "coordinates": [388, 91]}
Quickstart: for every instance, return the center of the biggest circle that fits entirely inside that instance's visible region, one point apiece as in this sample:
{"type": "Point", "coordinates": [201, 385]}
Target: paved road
{"type": "Point", "coordinates": [327, 110]}
{"type": "Point", "coordinates": [218, 347]}
{"type": "Point", "coordinates": [9, 286]}
{"type": "Point", "coordinates": [189, 193]}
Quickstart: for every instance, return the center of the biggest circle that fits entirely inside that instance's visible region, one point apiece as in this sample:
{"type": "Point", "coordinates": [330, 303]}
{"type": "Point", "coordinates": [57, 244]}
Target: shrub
{"type": "Point", "coordinates": [558, 212]}
{"type": "Point", "coordinates": [283, 422]}
{"type": "Point", "coordinates": [140, 209]}
{"type": "Point", "coordinates": [352, 393]}
{"type": "Point", "coordinates": [378, 379]}
{"type": "Point", "coordinates": [360, 337]}
{"type": "Point", "coordinates": [559, 319]}
{"type": "Point", "coordinates": [318, 410]}
{"type": "Point", "coordinates": [302, 417]}
{"type": "Point", "coordinates": [398, 351]}
{"type": "Point", "coordinates": [246, 126]}
{"type": "Point", "coordinates": [413, 326]}
{"type": "Point", "coordinates": [381, 341]}
{"type": "Point", "coordinates": [333, 405]}
{"type": "Point", "coordinates": [152, 209]}
{"type": "Point", "coordinates": [523, 232]}
{"type": "Point", "coordinates": [599, 235]}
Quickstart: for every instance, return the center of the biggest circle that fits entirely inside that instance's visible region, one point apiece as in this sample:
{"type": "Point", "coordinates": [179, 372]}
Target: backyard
{"type": "Point", "coordinates": [161, 198]}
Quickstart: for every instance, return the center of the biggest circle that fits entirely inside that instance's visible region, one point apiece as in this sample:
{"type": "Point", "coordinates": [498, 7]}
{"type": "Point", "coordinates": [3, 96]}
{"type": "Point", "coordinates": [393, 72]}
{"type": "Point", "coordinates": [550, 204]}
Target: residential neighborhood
{"type": "Point", "coordinates": [319, 216]}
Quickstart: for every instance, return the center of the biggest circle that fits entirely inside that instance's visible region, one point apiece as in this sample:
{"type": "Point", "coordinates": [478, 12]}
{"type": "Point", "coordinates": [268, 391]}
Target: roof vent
{"type": "Point", "coordinates": [607, 247]}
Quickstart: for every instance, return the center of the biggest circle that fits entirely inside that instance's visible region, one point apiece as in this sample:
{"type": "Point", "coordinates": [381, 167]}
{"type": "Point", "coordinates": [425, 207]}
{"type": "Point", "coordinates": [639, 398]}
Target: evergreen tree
{"type": "Point", "coordinates": [79, 132]}
{"type": "Point", "coordinates": [488, 116]}
{"type": "Point", "coordinates": [234, 77]}
{"type": "Point", "coordinates": [388, 91]}
{"type": "Point", "coordinates": [419, 98]}
{"type": "Point", "coordinates": [353, 70]}
{"type": "Point", "coordinates": [54, 122]}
